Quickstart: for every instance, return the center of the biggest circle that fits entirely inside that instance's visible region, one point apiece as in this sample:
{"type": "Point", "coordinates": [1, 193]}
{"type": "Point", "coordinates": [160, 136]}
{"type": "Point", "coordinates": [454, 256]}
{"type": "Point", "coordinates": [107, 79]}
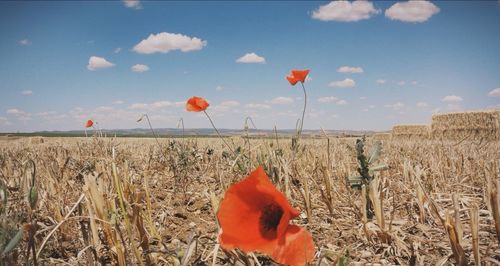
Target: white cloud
{"type": "Point", "coordinates": [219, 88]}
{"type": "Point", "coordinates": [452, 99]}
{"type": "Point", "coordinates": [117, 50]}
{"type": "Point", "coordinates": [380, 81]}
{"type": "Point", "coordinates": [139, 106]}
{"type": "Point", "coordinates": [96, 62]}
{"type": "Point", "coordinates": [494, 92]}
{"type": "Point", "coordinates": [332, 99]}
{"type": "Point", "coordinates": [396, 106]}
{"type": "Point", "coordinates": [118, 102]}
{"type": "Point", "coordinates": [24, 42]}
{"type": "Point", "coordinates": [421, 104]}
{"type": "Point", "coordinates": [230, 103]}
{"type": "Point", "coordinates": [249, 58]}
{"type": "Point", "coordinates": [24, 118]}
{"type": "Point", "coordinates": [346, 83]}
{"type": "Point", "coordinates": [257, 106]}
{"type": "Point", "coordinates": [179, 104]}
{"type": "Point", "coordinates": [51, 116]}
{"type": "Point", "coordinates": [226, 106]}
{"type": "Point", "coordinates": [402, 83]}
{"type": "Point", "coordinates": [281, 100]}
{"type": "Point", "coordinates": [165, 42]}
{"type": "Point", "coordinates": [412, 11]}
{"type": "Point", "coordinates": [345, 11]}
{"type": "Point", "coordinates": [414, 82]}
{"type": "Point", "coordinates": [158, 105]}
{"type": "Point", "coordinates": [47, 113]}
{"type": "Point", "coordinates": [104, 109]}
{"type": "Point", "coordinates": [134, 4]}
{"type": "Point", "coordinates": [328, 99]}
{"type": "Point", "coordinates": [363, 98]}
{"type": "Point", "coordinates": [348, 69]}
{"type": "Point", "coordinates": [139, 68]}
{"type": "Point", "coordinates": [14, 111]}
{"type": "Point", "coordinates": [27, 92]}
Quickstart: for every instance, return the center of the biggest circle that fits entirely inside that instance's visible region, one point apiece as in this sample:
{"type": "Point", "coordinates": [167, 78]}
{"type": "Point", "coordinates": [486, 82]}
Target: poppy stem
{"type": "Point", "coordinates": [152, 130]}
{"type": "Point", "coordinates": [218, 133]}
{"type": "Point", "coordinates": [303, 111]}
{"type": "Point", "coordinates": [181, 123]}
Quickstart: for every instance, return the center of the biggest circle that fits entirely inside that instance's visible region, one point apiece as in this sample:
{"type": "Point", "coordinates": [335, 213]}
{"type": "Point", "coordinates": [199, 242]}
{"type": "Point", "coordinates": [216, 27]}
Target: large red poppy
{"type": "Point", "coordinates": [291, 79]}
{"type": "Point", "coordinates": [196, 104]}
{"type": "Point", "coordinates": [254, 216]}
{"type": "Point", "coordinates": [89, 123]}
{"type": "Point", "coordinates": [297, 75]}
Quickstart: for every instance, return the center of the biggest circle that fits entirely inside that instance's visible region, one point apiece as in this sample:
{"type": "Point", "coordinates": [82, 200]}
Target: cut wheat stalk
{"type": "Point", "coordinates": [474, 223]}
{"type": "Point", "coordinates": [82, 196]}
{"type": "Point", "coordinates": [124, 211]}
{"type": "Point", "coordinates": [458, 251]}
{"type": "Point", "coordinates": [458, 223]}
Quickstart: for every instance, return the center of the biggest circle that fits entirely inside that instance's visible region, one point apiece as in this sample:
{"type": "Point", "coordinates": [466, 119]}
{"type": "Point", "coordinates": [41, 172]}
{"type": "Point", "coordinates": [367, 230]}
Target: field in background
{"type": "Point", "coordinates": [127, 200]}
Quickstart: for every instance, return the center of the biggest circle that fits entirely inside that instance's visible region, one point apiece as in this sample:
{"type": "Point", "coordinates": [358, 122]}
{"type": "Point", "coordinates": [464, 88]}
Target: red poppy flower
{"type": "Point", "coordinates": [291, 79]}
{"type": "Point", "coordinates": [89, 123]}
{"type": "Point", "coordinates": [196, 104]}
{"type": "Point", "coordinates": [297, 75]}
{"type": "Point", "coordinates": [254, 216]}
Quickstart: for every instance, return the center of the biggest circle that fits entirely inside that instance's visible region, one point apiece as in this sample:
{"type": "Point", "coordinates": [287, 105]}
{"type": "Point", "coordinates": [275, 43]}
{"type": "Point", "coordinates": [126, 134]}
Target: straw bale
{"type": "Point", "coordinates": [382, 136]}
{"type": "Point", "coordinates": [410, 131]}
{"type": "Point", "coordinates": [475, 125]}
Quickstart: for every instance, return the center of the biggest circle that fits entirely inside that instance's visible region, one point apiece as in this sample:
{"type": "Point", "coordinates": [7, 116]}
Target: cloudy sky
{"type": "Point", "coordinates": [373, 64]}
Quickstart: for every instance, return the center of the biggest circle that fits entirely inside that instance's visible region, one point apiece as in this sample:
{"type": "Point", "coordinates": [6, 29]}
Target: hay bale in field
{"type": "Point", "coordinates": [36, 140]}
{"type": "Point", "coordinates": [476, 125]}
{"type": "Point", "coordinates": [410, 132]}
{"type": "Point", "coordinates": [382, 136]}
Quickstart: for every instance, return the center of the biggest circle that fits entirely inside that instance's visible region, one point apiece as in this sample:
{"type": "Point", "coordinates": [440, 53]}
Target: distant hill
{"type": "Point", "coordinates": [201, 132]}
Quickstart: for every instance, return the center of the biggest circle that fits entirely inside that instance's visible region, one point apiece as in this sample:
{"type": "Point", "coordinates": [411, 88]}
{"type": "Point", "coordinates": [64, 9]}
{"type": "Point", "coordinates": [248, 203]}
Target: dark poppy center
{"type": "Point", "coordinates": [269, 220]}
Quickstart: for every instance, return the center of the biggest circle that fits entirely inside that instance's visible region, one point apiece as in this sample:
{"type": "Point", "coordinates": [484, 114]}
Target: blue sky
{"type": "Point", "coordinates": [373, 64]}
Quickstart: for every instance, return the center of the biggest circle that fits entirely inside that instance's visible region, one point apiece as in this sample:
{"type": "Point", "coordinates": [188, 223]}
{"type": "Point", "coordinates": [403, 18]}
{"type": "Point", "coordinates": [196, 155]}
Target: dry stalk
{"type": "Point", "coordinates": [327, 193]}
{"type": "Point", "coordinates": [420, 201]}
{"type": "Point", "coordinates": [375, 197]}
{"type": "Point", "coordinates": [306, 195]}
{"type": "Point", "coordinates": [124, 211]}
{"type": "Point", "coordinates": [474, 224]}
{"type": "Point", "coordinates": [364, 201]}
{"type": "Point", "coordinates": [494, 193]}
{"type": "Point", "coordinates": [456, 248]}
{"type": "Point", "coordinates": [58, 225]}
{"type": "Point", "coordinates": [458, 223]}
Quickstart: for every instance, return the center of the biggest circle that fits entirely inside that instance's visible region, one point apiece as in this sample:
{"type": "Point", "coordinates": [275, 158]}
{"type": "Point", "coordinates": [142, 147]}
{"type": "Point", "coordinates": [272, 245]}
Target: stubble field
{"type": "Point", "coordinates": [138, 201]}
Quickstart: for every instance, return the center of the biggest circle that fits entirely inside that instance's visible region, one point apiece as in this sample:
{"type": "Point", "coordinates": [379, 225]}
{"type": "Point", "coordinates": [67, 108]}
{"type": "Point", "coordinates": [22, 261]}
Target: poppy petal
{"type": "Point", "coordinates": [196, 104]}
{"type": "Point", "coordinates": [296, 247]}
{"type": "Point", "coordinates": [253, 214]}
{"type": "Point", "coordinates": [292, 79]}
{"type": "Point", "coordinates": [89, 123]}
{"type": "Point", "coordinates": [300, 75]}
